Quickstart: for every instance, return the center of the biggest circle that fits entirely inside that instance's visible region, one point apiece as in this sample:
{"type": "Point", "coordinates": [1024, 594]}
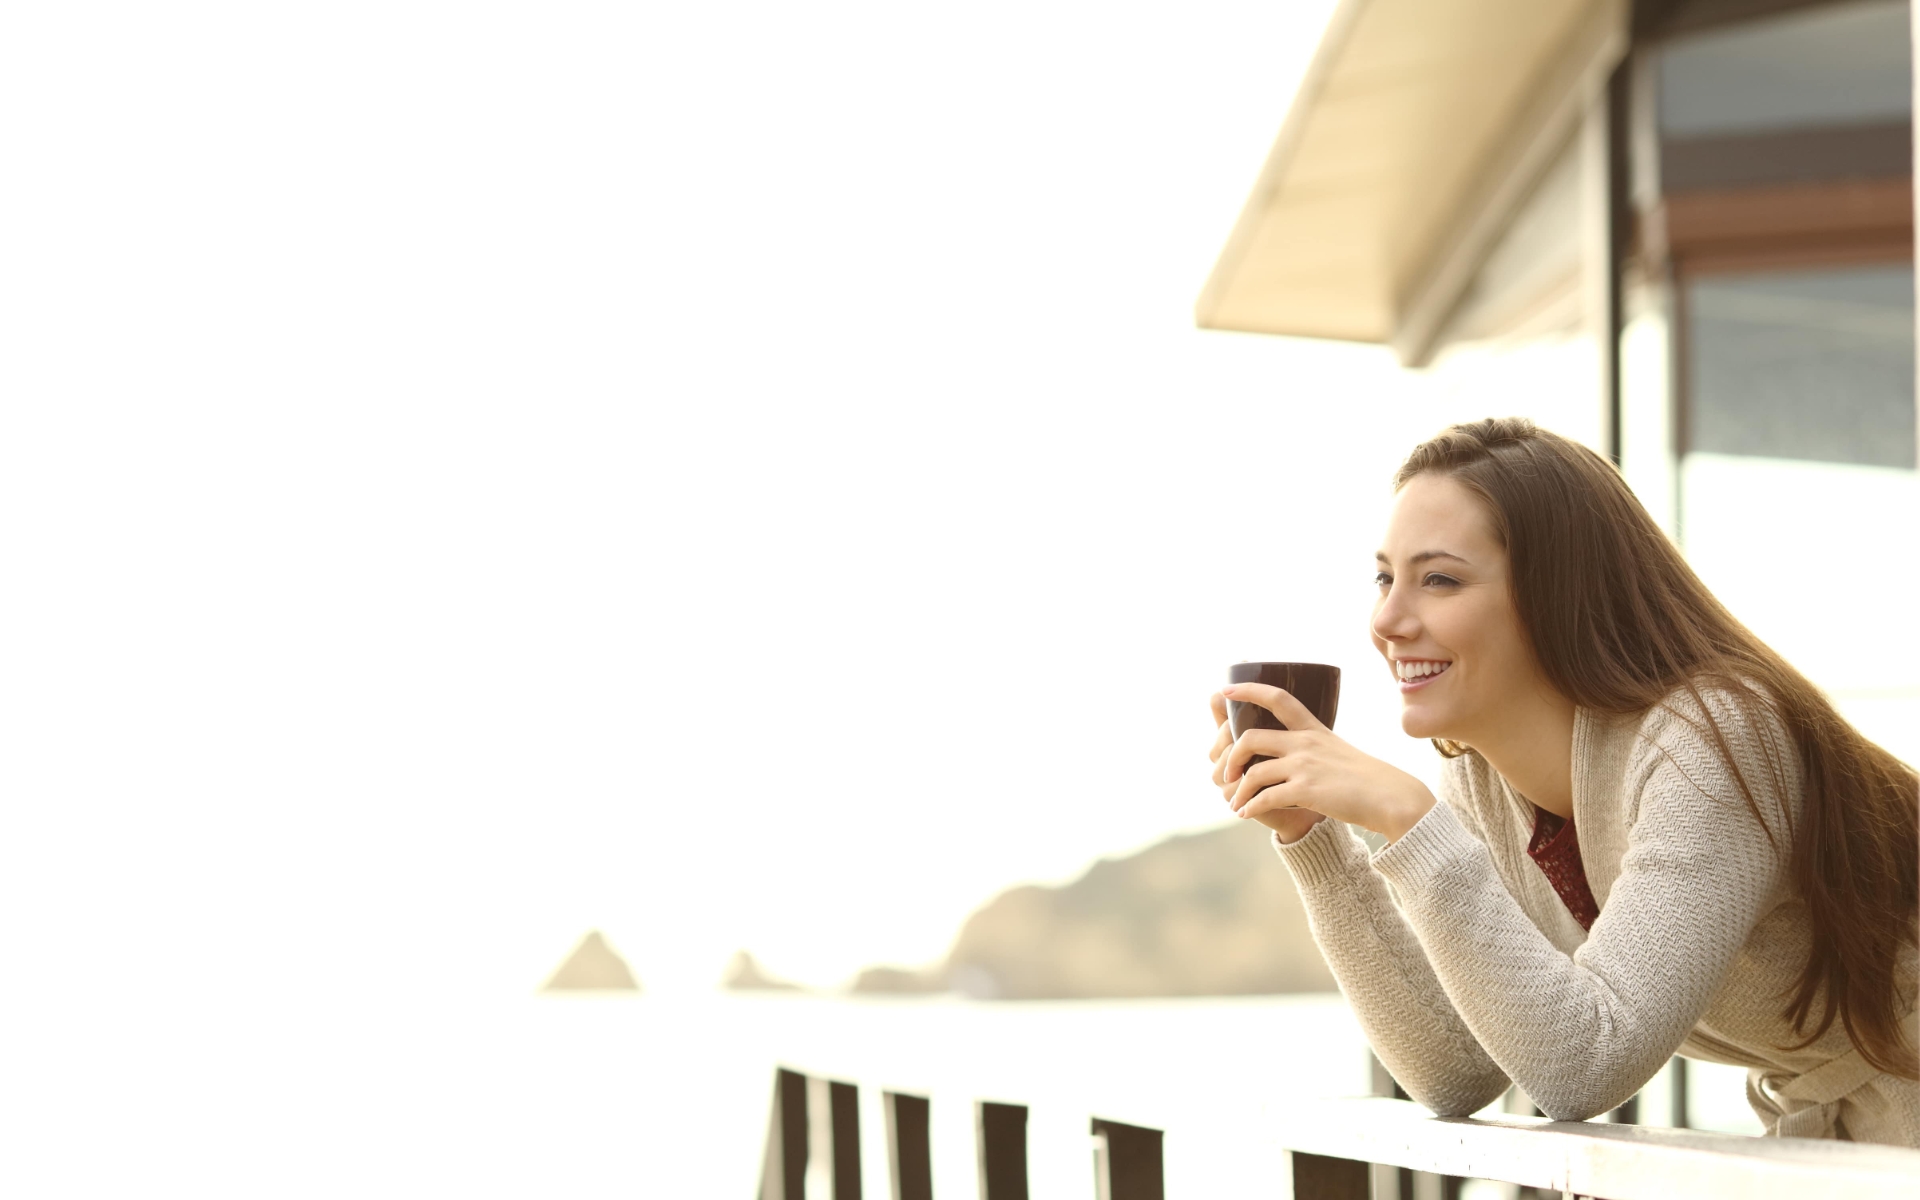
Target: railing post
{"type": "Point", "coordinates": [1678, 1084]}
{"type": "Point", "coordinates": [1127, 1162]}
{"type": "Point", "coordinates": [1002, 1130]}
{"type": "Point", "coordinates": [1384, 1084]}
{"type": "Point", "coordinates": [909, 1154]}
{"type": "Point", "coordinates": [1316, 1177]}
{"type": "Point", "coordinates": [843, 1108]}
{"type": "Point", "coordinates": [783, 1173]}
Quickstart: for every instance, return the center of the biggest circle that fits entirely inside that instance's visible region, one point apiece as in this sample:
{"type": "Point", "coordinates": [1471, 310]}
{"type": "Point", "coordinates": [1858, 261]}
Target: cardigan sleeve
{"type": "Point", "coordinates": [1385, 975]}
{"type": "Point", "coordinates": [1581, 1033]}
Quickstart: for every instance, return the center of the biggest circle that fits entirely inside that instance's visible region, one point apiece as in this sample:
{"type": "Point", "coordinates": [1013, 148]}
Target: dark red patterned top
{"type": "Point", "coordinates": [1556, 848]}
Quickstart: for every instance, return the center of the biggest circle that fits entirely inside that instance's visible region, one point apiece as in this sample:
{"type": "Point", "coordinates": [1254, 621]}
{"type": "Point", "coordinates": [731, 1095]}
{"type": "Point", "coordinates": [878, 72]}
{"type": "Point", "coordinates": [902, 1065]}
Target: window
{"type": "Point", "coordinates": [1785, 164]}
{"type": "Point", "coordinates": [1815, 365]}
{"type": "Point", "coordinates": [1843, 64]}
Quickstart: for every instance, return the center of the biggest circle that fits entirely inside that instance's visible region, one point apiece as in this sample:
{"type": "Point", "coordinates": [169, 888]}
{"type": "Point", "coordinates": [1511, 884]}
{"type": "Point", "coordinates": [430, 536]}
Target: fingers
{"type": "Point", "coordinates": [1292, 713]}
{"type": "Point", "coordinates": [1221, 739]}
{"type": "Point", "coordinates": [1259, 776]}
{"type": "Point", "coordinates": [1275, 743]}
{"type": "Point", "coordinates": [1225, 770]}
{"type": "Point", "coordinates": [1267, 801]}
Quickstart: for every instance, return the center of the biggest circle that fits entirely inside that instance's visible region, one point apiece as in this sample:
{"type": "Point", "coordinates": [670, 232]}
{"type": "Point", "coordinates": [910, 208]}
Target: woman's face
{"type": "Point", "coordinates": [1445, 621]}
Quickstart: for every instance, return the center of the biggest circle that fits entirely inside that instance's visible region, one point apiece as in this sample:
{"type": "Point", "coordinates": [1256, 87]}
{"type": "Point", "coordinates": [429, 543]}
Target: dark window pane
{"type": "Point", "coordinates": [1803, 364]}
{"type": "Point", "coordinates": [1789, 156]}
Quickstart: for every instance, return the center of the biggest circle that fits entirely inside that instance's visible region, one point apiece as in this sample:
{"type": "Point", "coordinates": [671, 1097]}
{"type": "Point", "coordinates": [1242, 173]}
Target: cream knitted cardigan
{"type": "Point", "coordinates": [1480, 975]}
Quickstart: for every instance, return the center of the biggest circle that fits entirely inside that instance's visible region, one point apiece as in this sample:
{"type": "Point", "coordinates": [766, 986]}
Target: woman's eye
{"type": "Point", "coordinates": [1438, 580]}
{"type": "Point", "coordinates": [1383, 579]}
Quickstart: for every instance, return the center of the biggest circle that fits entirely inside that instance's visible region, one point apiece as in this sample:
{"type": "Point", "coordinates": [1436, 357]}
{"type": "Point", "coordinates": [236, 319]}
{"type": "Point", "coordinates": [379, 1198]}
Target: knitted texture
{"type": "Point", "coordinates": [1480, 975]}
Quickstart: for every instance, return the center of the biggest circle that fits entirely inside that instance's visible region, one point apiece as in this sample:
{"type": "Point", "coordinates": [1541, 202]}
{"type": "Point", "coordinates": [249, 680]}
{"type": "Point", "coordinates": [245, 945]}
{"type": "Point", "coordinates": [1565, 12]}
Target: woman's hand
{"type": "Point", "coordinates": [1309, 771]}
{"type": "Point", "coordinates": [1290, 823]}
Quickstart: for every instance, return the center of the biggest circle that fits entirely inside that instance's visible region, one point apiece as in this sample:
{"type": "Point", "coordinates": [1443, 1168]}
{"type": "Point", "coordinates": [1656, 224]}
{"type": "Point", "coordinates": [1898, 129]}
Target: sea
{"type": "Point", "coordinates": [621, 1095]}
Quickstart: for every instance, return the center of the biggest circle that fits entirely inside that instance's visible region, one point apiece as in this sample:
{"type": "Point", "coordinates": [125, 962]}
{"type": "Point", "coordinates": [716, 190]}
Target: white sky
{"type": "Point", "coordinates": [732, 475]}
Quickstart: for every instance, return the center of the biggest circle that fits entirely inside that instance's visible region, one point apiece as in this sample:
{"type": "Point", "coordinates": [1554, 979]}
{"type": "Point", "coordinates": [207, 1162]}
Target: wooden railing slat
{"type": "Point", "coordinates": [843, 1109]}
{"type": "Point", "coordinates": [1317, 1177]}
{"type": "Point", "coordinates": [1002, 1138]}
{"type": "Point", "coordinates": [909, 1147]}
{"type": "Point", "coordinates": [783, 1173]}
{"type": "Point", "coordinates": [1128, 1162]}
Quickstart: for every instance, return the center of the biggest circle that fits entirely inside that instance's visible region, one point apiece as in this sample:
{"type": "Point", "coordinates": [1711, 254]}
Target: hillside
{"type": "Point", "coordinates": [1206, 914]}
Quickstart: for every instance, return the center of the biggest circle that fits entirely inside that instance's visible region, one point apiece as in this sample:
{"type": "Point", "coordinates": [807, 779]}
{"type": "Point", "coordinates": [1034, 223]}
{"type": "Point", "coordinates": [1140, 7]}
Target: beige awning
{"type": "Point", "coordinates": [1397, 148]}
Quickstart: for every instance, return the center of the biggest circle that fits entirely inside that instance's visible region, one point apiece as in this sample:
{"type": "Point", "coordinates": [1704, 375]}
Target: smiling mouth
{"type": "Point", "coordinates": [1418, 673]}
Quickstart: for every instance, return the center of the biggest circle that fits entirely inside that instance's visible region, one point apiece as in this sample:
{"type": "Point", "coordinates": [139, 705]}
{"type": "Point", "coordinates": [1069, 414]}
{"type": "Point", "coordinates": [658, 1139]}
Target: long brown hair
{"type": "Point", "coordinates": [1619, 622]}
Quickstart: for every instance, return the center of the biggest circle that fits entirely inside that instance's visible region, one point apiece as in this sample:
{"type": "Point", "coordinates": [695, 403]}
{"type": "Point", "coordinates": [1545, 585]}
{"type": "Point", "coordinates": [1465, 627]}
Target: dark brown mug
{"type": "Point", "coordinates": [1315, 685]}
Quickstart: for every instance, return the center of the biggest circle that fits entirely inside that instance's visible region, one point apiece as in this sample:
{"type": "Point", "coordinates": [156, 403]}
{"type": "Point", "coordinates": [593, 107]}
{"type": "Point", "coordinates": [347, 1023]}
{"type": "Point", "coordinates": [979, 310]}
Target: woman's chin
{"type": "Point", "coordinates": [1422, 722]}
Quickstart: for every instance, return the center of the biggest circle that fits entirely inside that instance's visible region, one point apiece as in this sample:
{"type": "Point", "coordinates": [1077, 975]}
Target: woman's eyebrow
{"type": "Point", "coordinates": [1424, 556]}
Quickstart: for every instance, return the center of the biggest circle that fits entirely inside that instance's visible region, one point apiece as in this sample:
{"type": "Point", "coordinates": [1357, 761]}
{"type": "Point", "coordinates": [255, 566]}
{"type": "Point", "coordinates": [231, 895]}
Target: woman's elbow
{"type": "Point", "coordinates": [1582, 1103]}
{"type": "Point", "coordinates": [1459, 1099]}
{"type": "Point", "coordinates": [1582, 1110]}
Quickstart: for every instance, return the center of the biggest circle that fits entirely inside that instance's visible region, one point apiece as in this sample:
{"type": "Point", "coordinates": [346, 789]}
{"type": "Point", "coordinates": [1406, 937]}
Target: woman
{"type": "Point", "coordinates": [1653, 835]}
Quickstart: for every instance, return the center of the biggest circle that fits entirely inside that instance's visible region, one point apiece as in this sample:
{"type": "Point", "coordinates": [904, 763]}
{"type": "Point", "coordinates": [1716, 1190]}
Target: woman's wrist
{"type": "Point", "coordinates": [1418, 803]}
{"type": "Point", "coordinates": [1295, 830]}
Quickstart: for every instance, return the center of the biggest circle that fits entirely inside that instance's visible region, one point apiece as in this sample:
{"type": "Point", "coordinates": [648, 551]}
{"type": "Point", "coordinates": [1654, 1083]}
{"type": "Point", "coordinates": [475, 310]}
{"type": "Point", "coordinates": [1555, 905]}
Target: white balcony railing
{"type": "Point", "coordinates": [1346, 1148]}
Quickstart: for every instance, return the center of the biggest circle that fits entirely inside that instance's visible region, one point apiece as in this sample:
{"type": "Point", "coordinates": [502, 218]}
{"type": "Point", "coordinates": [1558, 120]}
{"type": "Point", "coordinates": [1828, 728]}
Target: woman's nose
{"type": "Point", "coordinates": [1392, 622]}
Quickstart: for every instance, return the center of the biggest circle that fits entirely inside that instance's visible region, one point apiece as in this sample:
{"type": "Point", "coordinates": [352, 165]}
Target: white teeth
{"type": "Point", "coordinates": [1420, 669]}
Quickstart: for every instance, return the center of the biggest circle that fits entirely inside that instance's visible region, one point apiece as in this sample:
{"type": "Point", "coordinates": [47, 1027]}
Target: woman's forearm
{"type": "Point", "coordinates": [1581, 1033]}
{"type": "Point", "coordinates": [1384, 973]}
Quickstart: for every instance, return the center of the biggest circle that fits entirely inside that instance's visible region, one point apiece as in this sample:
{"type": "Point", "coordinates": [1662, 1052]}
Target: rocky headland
{"type": "Point", "coordinates": [1204, 914]}
{"type": "Point", "coordinates": [594, 966]}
